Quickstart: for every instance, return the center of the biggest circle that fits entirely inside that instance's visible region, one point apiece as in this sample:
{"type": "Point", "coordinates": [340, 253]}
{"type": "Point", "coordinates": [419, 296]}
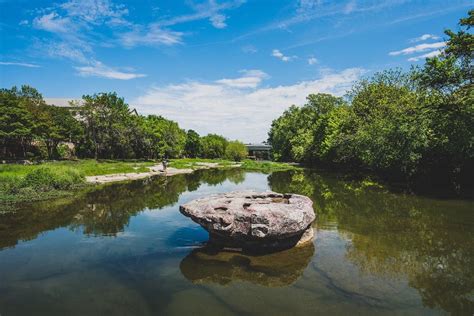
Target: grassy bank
{"type": "Point", "coordinates": [264, 166]}
{"type": "Point", "coordinates": [20, 183]}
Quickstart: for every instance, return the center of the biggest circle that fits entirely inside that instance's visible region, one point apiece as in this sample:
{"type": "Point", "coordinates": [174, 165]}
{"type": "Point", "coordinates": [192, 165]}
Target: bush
{"type": "Point", "coordinates": [46, 179]}
{"type": "Point", "coordinates": [236, 151]}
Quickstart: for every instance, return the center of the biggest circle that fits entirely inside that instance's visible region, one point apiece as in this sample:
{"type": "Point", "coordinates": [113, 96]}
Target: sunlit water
{"type": "Point", "coordinates": [125, 249]}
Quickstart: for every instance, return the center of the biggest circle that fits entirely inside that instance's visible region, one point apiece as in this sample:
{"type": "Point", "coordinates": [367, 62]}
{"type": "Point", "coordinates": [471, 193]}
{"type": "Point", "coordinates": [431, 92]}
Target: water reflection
{"type": "Point", "coordinates": [207, 265]}
{"type": "Point", "coordinates": [428, 241]}
{"type": "Point", "coordinates": [377, 252]}
{"type": "Point", "coordinates": [105, 211]}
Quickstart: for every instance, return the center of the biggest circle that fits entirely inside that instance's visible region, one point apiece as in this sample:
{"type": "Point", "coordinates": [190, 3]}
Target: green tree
{"type": "Point", "coordinates": [236, 151]}
{"type": "Point", "coordinates": [213, 146]}
{"type": "Point", "coordinates": [15, 123]}
{"type": "Point", "coordinates": [193, 147]}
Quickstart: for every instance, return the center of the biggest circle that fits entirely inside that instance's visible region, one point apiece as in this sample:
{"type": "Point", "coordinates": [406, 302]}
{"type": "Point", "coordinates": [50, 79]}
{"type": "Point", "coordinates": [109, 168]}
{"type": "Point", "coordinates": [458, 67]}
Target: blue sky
{"type": "Point", "coordinates": [228, 67]}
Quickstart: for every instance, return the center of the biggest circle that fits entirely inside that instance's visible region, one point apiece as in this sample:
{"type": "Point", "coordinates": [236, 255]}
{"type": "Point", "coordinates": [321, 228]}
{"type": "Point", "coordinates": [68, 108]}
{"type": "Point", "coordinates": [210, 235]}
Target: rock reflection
{"type": "Point", "coordinates": [207, 265]}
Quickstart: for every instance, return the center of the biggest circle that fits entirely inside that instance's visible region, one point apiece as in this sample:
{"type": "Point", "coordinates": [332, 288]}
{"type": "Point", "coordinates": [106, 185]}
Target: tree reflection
{"type": "Point", "coordinates": [105, 210]}
{"type": "Point", "coordinates": [428, 241]}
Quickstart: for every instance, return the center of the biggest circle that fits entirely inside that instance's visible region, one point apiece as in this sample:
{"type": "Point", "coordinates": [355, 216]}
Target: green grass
{"type": "Point", "coordinates": [53, 179]}
{"type": "Point", "coordinates": [264, 166]}
{"type": "Point", "coordinates": [267, 166]}
{"type": "Point", "coordinates": [193, 163]}
{"type": "Point", "coordinates": [20, 183]}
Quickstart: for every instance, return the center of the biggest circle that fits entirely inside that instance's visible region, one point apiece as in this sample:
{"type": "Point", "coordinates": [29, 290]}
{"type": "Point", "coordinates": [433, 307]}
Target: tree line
{"type": "Point", "coordinates": [401, 124]}
{"type": "Point", "coordinates": [101, 126]}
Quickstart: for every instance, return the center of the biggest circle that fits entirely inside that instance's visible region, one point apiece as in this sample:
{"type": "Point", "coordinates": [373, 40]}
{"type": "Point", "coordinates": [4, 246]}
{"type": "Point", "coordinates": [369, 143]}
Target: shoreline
{"type": "Point", "coordinates": [156, 170]}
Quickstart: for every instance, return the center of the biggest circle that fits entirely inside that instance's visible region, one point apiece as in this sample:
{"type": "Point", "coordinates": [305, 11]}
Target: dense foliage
{"type": "Point", "coordinates": [101, 126]}
{"type": "Point", "coordinates": [399, 124]}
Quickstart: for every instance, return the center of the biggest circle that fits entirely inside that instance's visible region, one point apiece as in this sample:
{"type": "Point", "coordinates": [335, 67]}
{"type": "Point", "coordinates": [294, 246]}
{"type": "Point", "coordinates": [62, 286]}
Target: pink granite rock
{"type": "Point", "coordinates": [254, 220]}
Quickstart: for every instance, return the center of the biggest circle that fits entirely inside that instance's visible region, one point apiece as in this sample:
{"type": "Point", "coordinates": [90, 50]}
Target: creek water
{"type": "Point", "coordinates": [124, 249]}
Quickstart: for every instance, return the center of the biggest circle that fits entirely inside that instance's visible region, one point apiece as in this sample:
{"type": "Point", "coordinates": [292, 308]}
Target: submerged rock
{"type": "Point", "coordinates": [249, 220]}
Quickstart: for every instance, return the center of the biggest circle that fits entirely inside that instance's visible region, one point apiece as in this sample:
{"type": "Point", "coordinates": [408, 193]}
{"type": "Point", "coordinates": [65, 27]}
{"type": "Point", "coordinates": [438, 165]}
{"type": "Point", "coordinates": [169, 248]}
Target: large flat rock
{"type": "Point", "coordinates": [254, 220]}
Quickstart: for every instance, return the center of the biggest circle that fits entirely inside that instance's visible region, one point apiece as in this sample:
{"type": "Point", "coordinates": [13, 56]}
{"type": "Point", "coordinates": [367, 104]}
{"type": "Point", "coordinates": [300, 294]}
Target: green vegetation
{"type": "Point", "coordinates": [406, 126]}
{"type": "Point", "coordinates": [267, 166]}
{"type": "Point", "coordinates": [102, 126]}
{"type": "Point", "coordinates": [53, 179]}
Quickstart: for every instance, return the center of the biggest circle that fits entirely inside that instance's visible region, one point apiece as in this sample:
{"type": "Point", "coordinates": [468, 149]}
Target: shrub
{"type": "Point", "coordinates": [46, 179]}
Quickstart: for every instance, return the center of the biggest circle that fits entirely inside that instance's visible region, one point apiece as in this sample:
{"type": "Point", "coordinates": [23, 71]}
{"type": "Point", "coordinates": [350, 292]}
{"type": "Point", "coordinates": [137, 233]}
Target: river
{"type": "Point", "coordinates": [125, 249]}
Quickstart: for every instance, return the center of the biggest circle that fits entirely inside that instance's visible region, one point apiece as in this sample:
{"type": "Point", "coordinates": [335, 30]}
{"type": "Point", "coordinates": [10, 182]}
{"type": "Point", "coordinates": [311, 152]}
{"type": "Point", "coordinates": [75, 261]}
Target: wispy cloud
{"type": "Point", "coordinates": [207, 10]}
{"type": "Point", "coordinates": [418, 48]}
{"type": "Point", "coordinates": [7, 63]}
{"type": "Point", "coordinates": [427, 55]}
{"type": "Point", "coordinates": [424, 37]}
{"type": "Point", "coordinates": [225, 105]}
{"type": "Point", "coordinates": [52, 22]}
{"type": "Point", "coordinates": [152, 35]}
{"type": "Point", "coordinates": [276, 53]}
{"type": "Point", "coordinates": [98, 69]}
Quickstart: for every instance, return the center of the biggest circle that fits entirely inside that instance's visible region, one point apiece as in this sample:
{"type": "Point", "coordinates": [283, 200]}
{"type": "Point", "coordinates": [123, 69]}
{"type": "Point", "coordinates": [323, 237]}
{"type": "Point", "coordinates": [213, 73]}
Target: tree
{"type": "Point", "coordinates": [449, 80]}
{"type": "Point", "coordinates": [213, 146]}
{"type": "Point", "coordinates": [15, 123]}
{"type": "Point", "coordinates": [108, 126]}
{"type": "Point", "coordinates": [236, 151]}
{"type": "Point", "coordinates": [193, 147]}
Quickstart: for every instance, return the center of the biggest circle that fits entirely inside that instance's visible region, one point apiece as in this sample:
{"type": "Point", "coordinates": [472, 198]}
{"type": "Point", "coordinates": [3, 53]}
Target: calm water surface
{"type": "Point", "coordinates": [125, 249]}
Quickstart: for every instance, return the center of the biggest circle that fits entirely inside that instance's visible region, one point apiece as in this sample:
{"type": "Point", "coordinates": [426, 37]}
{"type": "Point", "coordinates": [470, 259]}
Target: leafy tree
{"type": "Point", "coordinates": [108, 126]}
{"type": "Point", "coordinates": [15, 123]}
{"type": "Point", "coordinates": [213, 146]}
{"type": "Point", "coordinates": [236, 151]}
{"type": "Point", "coordinates": [193, 147]}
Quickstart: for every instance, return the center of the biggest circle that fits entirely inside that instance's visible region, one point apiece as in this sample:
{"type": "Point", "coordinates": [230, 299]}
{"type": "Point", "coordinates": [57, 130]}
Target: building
{"type": "Point", "coordinates": [259, 151]}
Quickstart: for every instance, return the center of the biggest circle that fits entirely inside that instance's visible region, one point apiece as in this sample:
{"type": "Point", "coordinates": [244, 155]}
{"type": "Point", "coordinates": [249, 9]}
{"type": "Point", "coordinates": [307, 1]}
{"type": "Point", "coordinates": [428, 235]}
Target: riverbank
{"type": "Point", "coordinates": [21, 183]}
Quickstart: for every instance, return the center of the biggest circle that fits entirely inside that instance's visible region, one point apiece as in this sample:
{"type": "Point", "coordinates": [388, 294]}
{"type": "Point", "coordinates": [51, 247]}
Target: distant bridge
{"type": "Point", "coordinates": [259, 151]}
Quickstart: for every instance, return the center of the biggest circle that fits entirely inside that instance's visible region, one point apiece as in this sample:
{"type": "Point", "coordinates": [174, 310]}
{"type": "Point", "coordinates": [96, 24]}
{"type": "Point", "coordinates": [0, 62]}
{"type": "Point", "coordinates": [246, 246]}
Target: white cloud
{"type": "Point", "coordinates": [97, 69]}
{"type": "Point", "coordinates": [427, 55]}
{"type": "Point", "coordinates": [23, 22]}
{"type": "Point", "coordinates": [218, 21]}
{"type": "Point", "coordinates": [52, 22]}
{"type": "Point", "coordinates": [7, 63]}
{"type": "Point", "coordinates": [276, 53]}
{"type": "Point", "coordinates": [418, 48]}
{"type": "Point", "coordinates": [424, 37]}
{"type": "Point", "coordinates": [236, 108]}
{"type": "Point", "coordinates": [151, 36]}
{"type": "Point", "coordinates": [94, 11]}
{"type": "Point", "coordinates": [207, 10]}
{"type": "Point", "coordinates": [250, 79]}
{"type": "Point", "coordinates": [312, 61]}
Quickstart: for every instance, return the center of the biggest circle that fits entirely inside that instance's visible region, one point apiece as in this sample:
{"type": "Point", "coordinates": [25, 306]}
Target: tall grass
{"type": "Point", "coordinates": [34, 182]}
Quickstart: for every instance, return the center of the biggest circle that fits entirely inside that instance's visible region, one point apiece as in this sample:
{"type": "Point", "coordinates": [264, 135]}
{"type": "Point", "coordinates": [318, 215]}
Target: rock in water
{"type": "Point", "coordinates": [254, 221]}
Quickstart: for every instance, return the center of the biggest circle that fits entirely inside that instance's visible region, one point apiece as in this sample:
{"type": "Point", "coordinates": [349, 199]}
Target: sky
{"type": "Point", "coordinates": [227, 67]}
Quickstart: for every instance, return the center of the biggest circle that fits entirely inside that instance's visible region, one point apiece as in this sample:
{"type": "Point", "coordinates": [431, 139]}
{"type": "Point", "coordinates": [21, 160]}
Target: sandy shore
{"type": "Point", "coordinates": [156, 170]}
